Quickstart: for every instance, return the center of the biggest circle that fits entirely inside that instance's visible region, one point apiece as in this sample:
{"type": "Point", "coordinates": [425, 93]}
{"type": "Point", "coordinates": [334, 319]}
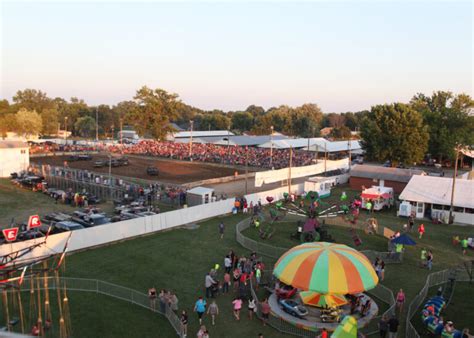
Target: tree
{"type": "Point", "coordinates": [213, 121]}
{"type": "Point", "coordinates": [7, 123]}
{"type": "Point", "coordinates": [28, 123]}
{"type": "Point", "coordinates": [448, 121]}
{"type": "Point", "coordinates": [306, 120]}
{"type": "Point", "coordinates": [336, 120]}
{"type": "Point", "coordinates": [155, 110]}
{"type": "Point", "coordinates": [85, 126]}
{"type": "Point", "coordinates": [242, 121]}
{"type": "Point", "coordinates": [255, 110]}
{"type": "Point", "coordinates": [394, 132]}
{"type": "Point", "coordinates": [50, 120]}
{"type": "Point", "coordinates": [341, 133]}
{"type": "Point", "coordinates": [32, 99]}
{"type": "Point", "coordinates": [72, 110]}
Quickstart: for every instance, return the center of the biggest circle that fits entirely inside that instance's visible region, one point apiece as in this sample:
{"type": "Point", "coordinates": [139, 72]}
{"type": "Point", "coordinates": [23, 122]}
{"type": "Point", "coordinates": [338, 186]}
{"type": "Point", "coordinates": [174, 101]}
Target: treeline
{"type": "Point", "coordinates": [401, 132]}
{"type": "Point", "coordinates": [150, 112]}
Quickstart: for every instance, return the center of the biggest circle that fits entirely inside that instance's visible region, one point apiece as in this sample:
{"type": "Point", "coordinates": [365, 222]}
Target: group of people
{"type": "Point", "coordinates": [211, 153]}
{"type": "Point", "coordinates": [166, 298]}
{"type": "Point", "coordinates": [426, 258]}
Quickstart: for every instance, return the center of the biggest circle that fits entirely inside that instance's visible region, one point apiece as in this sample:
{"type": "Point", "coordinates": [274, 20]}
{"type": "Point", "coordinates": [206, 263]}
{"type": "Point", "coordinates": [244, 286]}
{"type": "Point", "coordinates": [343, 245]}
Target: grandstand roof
{"type": "Point", "coordinates": [205, 133]}
{"type": "Point", "coordinates": [248, 140]}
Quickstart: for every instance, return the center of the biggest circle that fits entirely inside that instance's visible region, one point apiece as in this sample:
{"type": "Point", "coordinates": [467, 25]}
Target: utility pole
{"type": "Point", "coordinates": [289, 170]}
{"type": "Point", "coordinates": [271, 147]}
{"type": "Point", "coordinates": [191, 141]}
{"type": "Point", "coordinates": [325, 158]}
{"type": "Point", "coordinates": [96, 124]}
{"type": "Point", "coordinates": [121, 131]}
{"type": "Point", "coordinates": [457, 149]}
{"type": "Point", "coordinates": [65, 129]}
{"type": "Point", "coordinates": [246, 169]}
{"type": "Point", "coordinates": [349, 147]}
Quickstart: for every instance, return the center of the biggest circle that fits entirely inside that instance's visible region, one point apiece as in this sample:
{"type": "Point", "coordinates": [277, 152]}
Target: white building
{"type": "Point", "coordinates": [431, 196]}
{"type": "Point", "coordinates": [14, 156]}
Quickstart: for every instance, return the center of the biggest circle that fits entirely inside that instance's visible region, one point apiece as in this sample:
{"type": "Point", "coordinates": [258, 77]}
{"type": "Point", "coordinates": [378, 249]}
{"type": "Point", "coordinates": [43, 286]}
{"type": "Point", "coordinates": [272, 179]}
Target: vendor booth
{"type": "Point", "coordinates": [199, 195]}
{"type": "Point", "coordinates": [321, 185]}
{"type": "Point", "coordinates": [377, 198]}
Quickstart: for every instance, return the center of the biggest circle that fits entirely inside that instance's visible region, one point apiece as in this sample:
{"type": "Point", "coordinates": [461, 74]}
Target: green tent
{"type": "Point", "coordinates": [347, 328]}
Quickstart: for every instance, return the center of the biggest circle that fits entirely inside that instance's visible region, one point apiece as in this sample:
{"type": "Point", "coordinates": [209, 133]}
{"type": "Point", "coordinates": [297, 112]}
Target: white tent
{"type": "Point", "coordinates": [293, 143]}
{"type": "Point", "coordinates": [434, 193]}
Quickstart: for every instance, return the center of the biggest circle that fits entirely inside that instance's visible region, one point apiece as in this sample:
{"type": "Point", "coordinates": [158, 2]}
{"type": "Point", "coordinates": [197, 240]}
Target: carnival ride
{"type": "Point", "coordinates": [326, 275]}
{"type": "Point", "coordinates": [22, 271]}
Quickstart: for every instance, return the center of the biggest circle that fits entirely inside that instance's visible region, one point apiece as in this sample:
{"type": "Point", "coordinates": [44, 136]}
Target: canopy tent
{"type": "Point", "coordinates": [335, 146]}
{"type": "Point", "coordinates": [321, 300]}
{"type": "Point", "coordinates": [248, 140]}
{"type": "Point", "coordinates": [326, 268]}
{"type": "Point", "coordinates": [403, 239]}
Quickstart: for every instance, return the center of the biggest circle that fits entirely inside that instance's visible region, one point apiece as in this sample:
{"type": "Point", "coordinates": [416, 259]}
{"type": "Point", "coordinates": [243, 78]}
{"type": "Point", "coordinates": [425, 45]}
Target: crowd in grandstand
{"type": "Point", "coordinates": [51, 148]}
{"type": "Point", "coordinates": [232, 155]}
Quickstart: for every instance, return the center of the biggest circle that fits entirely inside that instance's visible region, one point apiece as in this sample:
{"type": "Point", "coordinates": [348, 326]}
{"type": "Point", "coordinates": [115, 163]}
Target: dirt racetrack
{"type": "Point", "coordinates": [171, 171]}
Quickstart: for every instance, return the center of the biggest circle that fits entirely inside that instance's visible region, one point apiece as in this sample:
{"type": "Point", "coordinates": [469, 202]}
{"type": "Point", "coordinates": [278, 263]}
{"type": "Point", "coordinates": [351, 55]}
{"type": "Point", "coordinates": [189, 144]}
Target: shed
{"type": "Point", "coordinates": [199, 195]}
{"type": "Point", "coordinates": [368, 175]}
{"type": "Point", "coordinates": [431, 197]}
{"type": "Point", "coordinates": [14, 157]}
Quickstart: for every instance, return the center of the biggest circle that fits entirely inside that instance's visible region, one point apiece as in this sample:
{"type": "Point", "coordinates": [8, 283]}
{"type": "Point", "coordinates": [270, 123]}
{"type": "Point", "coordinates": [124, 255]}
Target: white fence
{"type": "Point", "coordinates": [112, 232]}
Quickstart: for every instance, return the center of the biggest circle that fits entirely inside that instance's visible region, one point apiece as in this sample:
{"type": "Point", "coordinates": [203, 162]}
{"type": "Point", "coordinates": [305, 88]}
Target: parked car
{"type": "Point", "coordinates": [91, 220]}
{"type": "Point", "coordinates": [358, 160]}
{"type": "Point", "coordinates": [387, 164]}
{"type": "Point", "coordinates": [67, 226]}
{"type": "Point", "coordinates": [293, 308]}
{"type": "Point", "coordinates": [123, 161]}
{"type": "Point", "coordinates": [100, 164]}
{"type": "Point", "coordinates": [152, 171]}
{"type": "Point", "coordinates": [84, 157]}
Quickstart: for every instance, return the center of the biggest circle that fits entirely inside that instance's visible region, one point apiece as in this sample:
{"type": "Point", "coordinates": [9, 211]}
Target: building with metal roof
{"type": "Point", "coordinates": [431, 197]}
{"type": "Point", "coordinates": [14, 157]}
{"type": "Point", "coordinates": [369, 175]}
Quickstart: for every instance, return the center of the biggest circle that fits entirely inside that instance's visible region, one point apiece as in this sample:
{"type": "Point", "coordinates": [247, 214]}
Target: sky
{"type": "Point", "coordinates": [342, 55]}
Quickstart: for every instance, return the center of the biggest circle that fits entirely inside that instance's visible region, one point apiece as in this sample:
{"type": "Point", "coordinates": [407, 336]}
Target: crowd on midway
{"type": "Point", "coordinates": [211, 153]}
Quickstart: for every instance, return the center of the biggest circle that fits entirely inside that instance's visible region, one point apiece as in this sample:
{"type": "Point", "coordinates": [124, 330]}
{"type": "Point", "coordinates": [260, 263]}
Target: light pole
{"type": "Point", "coordinates": [191, 141]}
{"type": "Point", "coordinates": [271, 147]}
{"type": "Point", "coordinates": [65, 129]}
{"type": "Point", "coordinates": [121, 131]}
{"type": "Point", "coordinates": [96, 124]}
{"type": "Point", "coordinates": [457, 149]}
{"type": "Point", "coordinates": [349, 148]}
{"type": "Point", "coordinates": [246, 169]}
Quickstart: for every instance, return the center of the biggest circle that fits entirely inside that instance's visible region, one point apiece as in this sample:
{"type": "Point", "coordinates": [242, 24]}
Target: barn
{"type": "Point", "coordinates": [368, 175]}
{"type": "Point", "coordinates": [14, 156]}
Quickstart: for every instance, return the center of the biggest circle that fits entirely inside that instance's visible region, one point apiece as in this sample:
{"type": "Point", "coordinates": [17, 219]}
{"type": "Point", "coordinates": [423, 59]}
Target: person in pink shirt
{"type": "Point", "coordinates": [237, 303]}
{"type": "Point", "coordinates": [400, 300]}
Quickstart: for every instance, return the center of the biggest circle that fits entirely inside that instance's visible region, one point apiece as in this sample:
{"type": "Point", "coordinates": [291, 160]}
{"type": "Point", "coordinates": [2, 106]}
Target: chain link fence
{"type": "Point", "coordinates": [111, 290]}
{"type": "Point", "coordinates": [433, 279]}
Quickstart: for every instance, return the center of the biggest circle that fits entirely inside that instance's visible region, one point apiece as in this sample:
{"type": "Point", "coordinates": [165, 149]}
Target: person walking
{"type": "Point", "coordinates": [383, 326]}
{"type": "Point", "coordinates": [429, 260]}
{"type": "Point", "coordinates": [213, 310]}
{"type": "Point", "coordinates": [423, 257]}
{"type": "Point", "coordinates": [202, 331]}
{"type": "Point", "coordinates": [265, 311]}
{"type": "Point", "coordinates": [200, 308]}
{"type": "Point", "coordinates": [152, 296]}
{"type": "Point", "coordinates": [209, 283]}
{"type": "Point", "coordinates": [400, 300]}
{"type": "Point", "coordinates": [393, 324]}
{"type": "Point", "coordinates": [252, 308]}
{"type": "Point", "coordinates": [184, 323]}
{"type": "Point", "coordinates": [237, 303]}
{"type": "Point", "coordinates": [464, 243]}
{"type": "Point", "coordinates": [225, 286]}
{"type": "Point", "coordinates": [421, 230]}
{"type": "Point", "coordinates": [221, 229]}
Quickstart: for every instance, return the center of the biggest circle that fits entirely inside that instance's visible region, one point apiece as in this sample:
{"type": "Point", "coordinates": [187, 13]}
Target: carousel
{"type": "Point", "coordinates": [320, 284]}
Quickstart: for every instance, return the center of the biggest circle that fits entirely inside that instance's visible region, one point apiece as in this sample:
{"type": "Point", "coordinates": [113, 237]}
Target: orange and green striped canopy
{"type": "Point", "coordinates": [326, 268]}
{"type": "Point", "coordinates": [321, 300]}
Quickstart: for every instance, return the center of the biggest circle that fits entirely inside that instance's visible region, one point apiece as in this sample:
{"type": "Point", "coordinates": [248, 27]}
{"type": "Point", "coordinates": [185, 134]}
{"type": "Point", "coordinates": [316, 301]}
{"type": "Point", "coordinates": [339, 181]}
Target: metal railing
{"type": "Point", "coordinates": [115, 291]}
{"type": "Point", "coordinates": [433, 279]}
{"type": "Point", "coordinates": [380, 292]}
{"type": "Point", "coordinates": [276, 252]}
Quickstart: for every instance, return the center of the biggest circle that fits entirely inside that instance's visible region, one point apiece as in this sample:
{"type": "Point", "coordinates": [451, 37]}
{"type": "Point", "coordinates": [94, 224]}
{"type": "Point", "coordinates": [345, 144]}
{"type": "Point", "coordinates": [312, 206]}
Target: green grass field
{"type": "Point", "coordinates": [179, 259]}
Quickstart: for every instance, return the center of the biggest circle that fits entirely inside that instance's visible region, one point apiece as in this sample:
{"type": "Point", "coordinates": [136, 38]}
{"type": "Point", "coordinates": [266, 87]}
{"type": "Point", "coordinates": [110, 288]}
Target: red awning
{"type": "Point", "coordinates": [374, 196]}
